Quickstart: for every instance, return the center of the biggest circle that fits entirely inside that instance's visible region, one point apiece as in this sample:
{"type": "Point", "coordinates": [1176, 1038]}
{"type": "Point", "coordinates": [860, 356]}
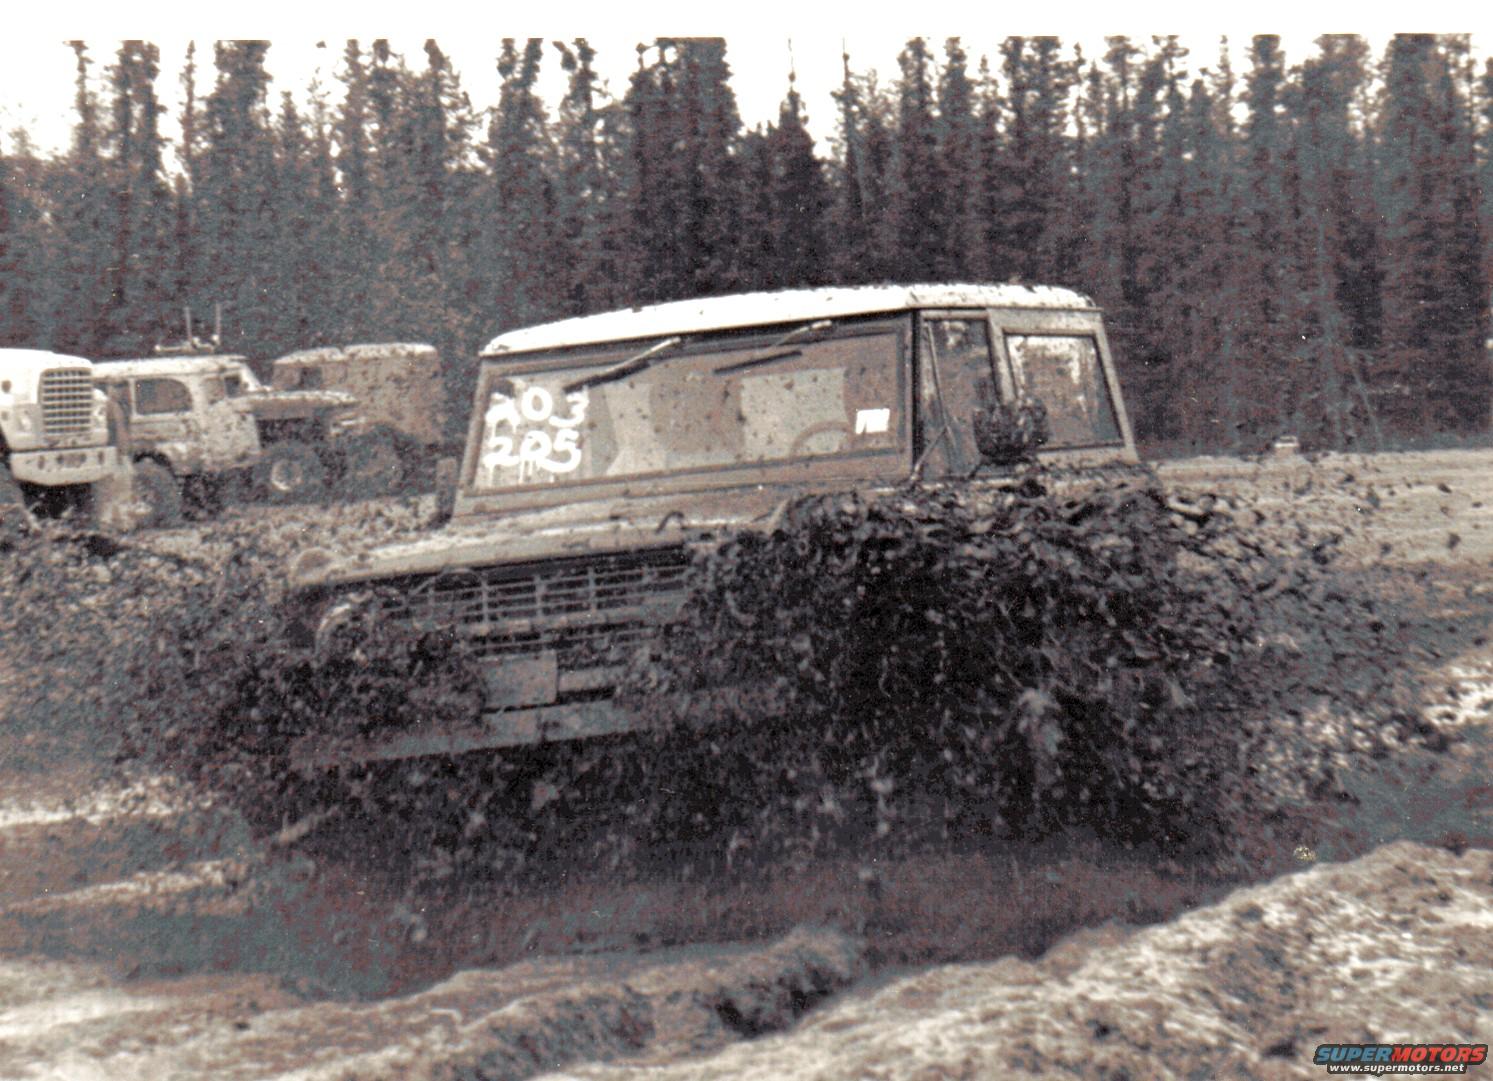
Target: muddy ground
{"type": "Point", "coordinates": [144, 936]}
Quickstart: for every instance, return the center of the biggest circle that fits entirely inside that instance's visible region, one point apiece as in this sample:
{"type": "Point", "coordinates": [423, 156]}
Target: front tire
{"type": "Point", "coordinates": [157, 488]}
{"type": "Point", "coordinates": [291, 470]}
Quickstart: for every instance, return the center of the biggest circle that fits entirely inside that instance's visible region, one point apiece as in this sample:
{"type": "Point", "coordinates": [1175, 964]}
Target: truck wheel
{"type": "Point", "coordinates": [291, 470]}
{"type": "Point", "coordinates": [15, 519]}
{"type": "Point", "coordinates": [374, 467]}
{"type": "Point", "coordinates": [157, 488]}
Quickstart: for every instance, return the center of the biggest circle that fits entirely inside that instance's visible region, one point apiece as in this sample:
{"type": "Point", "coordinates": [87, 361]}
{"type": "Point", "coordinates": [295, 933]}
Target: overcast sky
{"type": "Point", "coordinates": [36, 67]}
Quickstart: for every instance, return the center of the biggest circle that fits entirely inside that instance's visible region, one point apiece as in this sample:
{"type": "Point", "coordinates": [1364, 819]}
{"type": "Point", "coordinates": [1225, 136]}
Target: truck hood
{"type": "Point", "coordinates": [267, 398]}
{"type": "Point", "coordinates": [631, 522]}
{"type": "Point", "coordinates": [627, 522]}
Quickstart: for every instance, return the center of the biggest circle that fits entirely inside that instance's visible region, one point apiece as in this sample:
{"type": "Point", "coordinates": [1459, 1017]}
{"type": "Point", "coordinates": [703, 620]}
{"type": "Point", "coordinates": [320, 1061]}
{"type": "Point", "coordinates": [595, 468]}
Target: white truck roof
{"type": "Point", "coordinates": [764, 309]}
{"type": "Point", "coordinates": [361, 352]}
{"type": "Point", "coordinates": [163, 366]}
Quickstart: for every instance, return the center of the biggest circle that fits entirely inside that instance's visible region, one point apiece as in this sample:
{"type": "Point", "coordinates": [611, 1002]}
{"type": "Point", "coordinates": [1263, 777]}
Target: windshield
{"type": "Point", "coordinates": [691, 411]}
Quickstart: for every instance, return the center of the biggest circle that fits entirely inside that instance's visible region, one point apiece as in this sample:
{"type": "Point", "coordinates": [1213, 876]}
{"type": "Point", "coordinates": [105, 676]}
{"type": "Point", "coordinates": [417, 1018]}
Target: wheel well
{"type": "Point", "coordinates": [159, 459]}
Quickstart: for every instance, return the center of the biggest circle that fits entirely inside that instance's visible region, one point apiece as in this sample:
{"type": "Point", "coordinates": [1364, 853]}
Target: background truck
{"type": "Point", "coordinates": [604, 450]}
{"type": "Point", "coordinates": [400, 394]}
{"type": "Point", "coordinates": [186, 435]}
{"type": "Point", "coordinates": [54, 433]}
{"type": "Point", "coordinates": [305, 434]}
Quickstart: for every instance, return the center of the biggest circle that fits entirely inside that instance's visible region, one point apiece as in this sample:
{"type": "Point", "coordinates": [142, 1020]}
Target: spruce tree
{"type": "Point", "coordinates": [1265, 350]}
{"type": "Point", "coordinates": [358, 256]}
{"type": "Point", "coordinates": [520, 240]}
{"type": "Point", "coordinates": [920, 198]}
{"type": "Point", "coordinates": [1038, 83]}
{"type": "Point", "coordinates": [799, 199]}
{"type": "Point", "coordinates": [1432, 373]}
{"type": "Point", "coordinates": [1484, 96]}
{"type": "Point", "coordinates": [958, 146]}
{"type": "Point", "coordinates": [590, 208]}
{"type": "Point", "coordinates": [864, 246]}
{"type": "Point", "coordinates": [141, 302]}
{"type": "Point", "coordinates": [1208, 241]}
{"type": "Point", "coordinates": [710, 131]}
{"type": "Point", "coordinates": [997, 256]}
{"type": "Point", "coordinates": [83, 224]}
{"type": "Point", "coordinates": [1329, 395]}
{"type": "Point", "coordinates": [23, 263]}
{"type": "Point", "coordinates": [758, 248]}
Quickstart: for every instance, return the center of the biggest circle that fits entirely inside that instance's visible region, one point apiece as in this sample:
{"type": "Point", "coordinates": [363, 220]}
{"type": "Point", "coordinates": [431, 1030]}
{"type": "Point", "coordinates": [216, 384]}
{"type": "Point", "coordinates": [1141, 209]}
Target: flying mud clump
{"type": "Point", "coordinates": [910, 670]}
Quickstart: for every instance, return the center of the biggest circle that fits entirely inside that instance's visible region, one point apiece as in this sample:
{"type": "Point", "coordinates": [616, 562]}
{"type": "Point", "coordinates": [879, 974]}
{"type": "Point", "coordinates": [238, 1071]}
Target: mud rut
{"type": "Point", "coordinates": [142, 936]}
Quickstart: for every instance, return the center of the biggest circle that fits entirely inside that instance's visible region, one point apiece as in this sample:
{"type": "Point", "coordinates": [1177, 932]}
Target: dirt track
{"type": "Point", "coordinates": [140, 941]}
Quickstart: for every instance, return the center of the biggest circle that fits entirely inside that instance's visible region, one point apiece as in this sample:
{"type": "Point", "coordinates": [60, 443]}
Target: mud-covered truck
{"type": "Point", "coordinates": [305, 434]}
{"type": "Point", "coordinates": [186, 434]}
{"type": "Point", "coordinates": [400, 397]}
{"type": "Point", "coordinates": [604, 450]}
{"type": "Point", "coordinates": [54, 431]}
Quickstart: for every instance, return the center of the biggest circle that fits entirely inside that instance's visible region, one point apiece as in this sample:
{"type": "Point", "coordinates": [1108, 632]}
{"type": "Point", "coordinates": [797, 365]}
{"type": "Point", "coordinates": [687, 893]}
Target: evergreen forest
{"type": "Point", "coordinates": [1280, 244]}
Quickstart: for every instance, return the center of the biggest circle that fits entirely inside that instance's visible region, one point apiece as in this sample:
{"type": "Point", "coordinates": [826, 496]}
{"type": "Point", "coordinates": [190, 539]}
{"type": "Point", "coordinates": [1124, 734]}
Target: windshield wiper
{"type": "Point", "coordinates": [627, 367]}
{"type": "Point", "coordinates": [768, 358]}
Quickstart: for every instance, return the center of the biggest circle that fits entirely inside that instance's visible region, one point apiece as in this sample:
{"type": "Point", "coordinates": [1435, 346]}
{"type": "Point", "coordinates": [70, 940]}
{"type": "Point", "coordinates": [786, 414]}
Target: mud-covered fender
{"type": "Point", "coordinates": [183, 459]}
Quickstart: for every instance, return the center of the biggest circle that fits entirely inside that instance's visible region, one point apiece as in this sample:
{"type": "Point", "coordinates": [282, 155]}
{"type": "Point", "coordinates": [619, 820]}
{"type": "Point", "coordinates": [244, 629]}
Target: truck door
{"type": "Point", "coordinates": [959, 378]}
{"type": "Point", "coordinates": [231, 434]}
{"type": "Point", "coordinates": [161, 418]}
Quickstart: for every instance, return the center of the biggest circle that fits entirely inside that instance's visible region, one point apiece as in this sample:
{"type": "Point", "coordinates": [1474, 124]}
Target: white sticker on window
{"type": "Point", "coordinates": [872, 421]}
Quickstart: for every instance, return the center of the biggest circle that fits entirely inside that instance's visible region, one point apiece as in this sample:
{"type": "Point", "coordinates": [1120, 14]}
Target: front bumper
{"type": "Point", "coordinates": [54, 468]}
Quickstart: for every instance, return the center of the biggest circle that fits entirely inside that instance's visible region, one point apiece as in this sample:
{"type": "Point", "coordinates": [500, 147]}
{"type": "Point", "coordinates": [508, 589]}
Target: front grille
{"type": "Point", "coordinates": [66, 401]}
{"type": "Point", "coordinates": [576, 649]}
{"type": "Point", "coordinates": [583, 609]}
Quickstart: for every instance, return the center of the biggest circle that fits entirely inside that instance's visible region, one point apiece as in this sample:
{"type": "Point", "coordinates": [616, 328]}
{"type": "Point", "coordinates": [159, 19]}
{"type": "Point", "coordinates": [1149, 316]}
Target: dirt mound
{"type": "Point", "coordinates": [1392, 947]}
{"type": "Point", "coordinates": [68, 1023]}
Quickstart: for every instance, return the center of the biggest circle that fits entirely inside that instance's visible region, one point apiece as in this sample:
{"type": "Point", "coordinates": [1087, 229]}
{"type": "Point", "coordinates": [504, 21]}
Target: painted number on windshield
{"type": "Point", "coordinates": [525, 432]}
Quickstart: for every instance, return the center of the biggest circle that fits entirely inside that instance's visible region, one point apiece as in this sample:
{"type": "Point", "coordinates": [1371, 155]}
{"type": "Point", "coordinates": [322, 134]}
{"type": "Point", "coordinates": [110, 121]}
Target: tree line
{"type": "Point", "coordinates": [1288, 248]}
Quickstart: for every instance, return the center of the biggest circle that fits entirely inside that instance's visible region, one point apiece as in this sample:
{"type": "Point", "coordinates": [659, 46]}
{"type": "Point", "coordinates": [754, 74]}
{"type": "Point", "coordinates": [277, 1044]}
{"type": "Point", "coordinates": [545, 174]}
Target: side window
{"type": "Point", "coordinates": [233, 386]}
{"type": "Point", "coordinates": [962, 384]}
{"type": "Point", "coordinates": [1063, 370]}
{"type": "Point", "coordinates": [162, 396]}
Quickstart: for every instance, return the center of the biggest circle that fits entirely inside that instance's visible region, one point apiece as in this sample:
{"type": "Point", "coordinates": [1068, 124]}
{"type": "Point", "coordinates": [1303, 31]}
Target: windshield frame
{"type": "Point", "coordinates": [888, 464]}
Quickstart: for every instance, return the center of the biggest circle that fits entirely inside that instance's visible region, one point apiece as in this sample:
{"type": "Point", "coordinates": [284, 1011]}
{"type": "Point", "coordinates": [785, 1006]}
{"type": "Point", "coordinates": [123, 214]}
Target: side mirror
{"type": "Point", "coordinates": [1006, 434]}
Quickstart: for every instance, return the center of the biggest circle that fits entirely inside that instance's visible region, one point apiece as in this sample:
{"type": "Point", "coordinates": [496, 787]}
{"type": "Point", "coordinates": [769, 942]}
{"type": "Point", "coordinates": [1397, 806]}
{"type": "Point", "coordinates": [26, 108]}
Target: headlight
{"type": "Point", "coordinates": [313, 617]}
{"type": "Point", "coordinates": [336, 615]}
{"type": "Point", "coordinates": [24, 420]}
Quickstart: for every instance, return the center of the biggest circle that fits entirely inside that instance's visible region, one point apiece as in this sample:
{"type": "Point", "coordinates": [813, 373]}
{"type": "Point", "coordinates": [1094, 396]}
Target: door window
{"type": "Point", "coordinates": [1064, 373]}
{"type": "Point", "coordinates": [154, 396]}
